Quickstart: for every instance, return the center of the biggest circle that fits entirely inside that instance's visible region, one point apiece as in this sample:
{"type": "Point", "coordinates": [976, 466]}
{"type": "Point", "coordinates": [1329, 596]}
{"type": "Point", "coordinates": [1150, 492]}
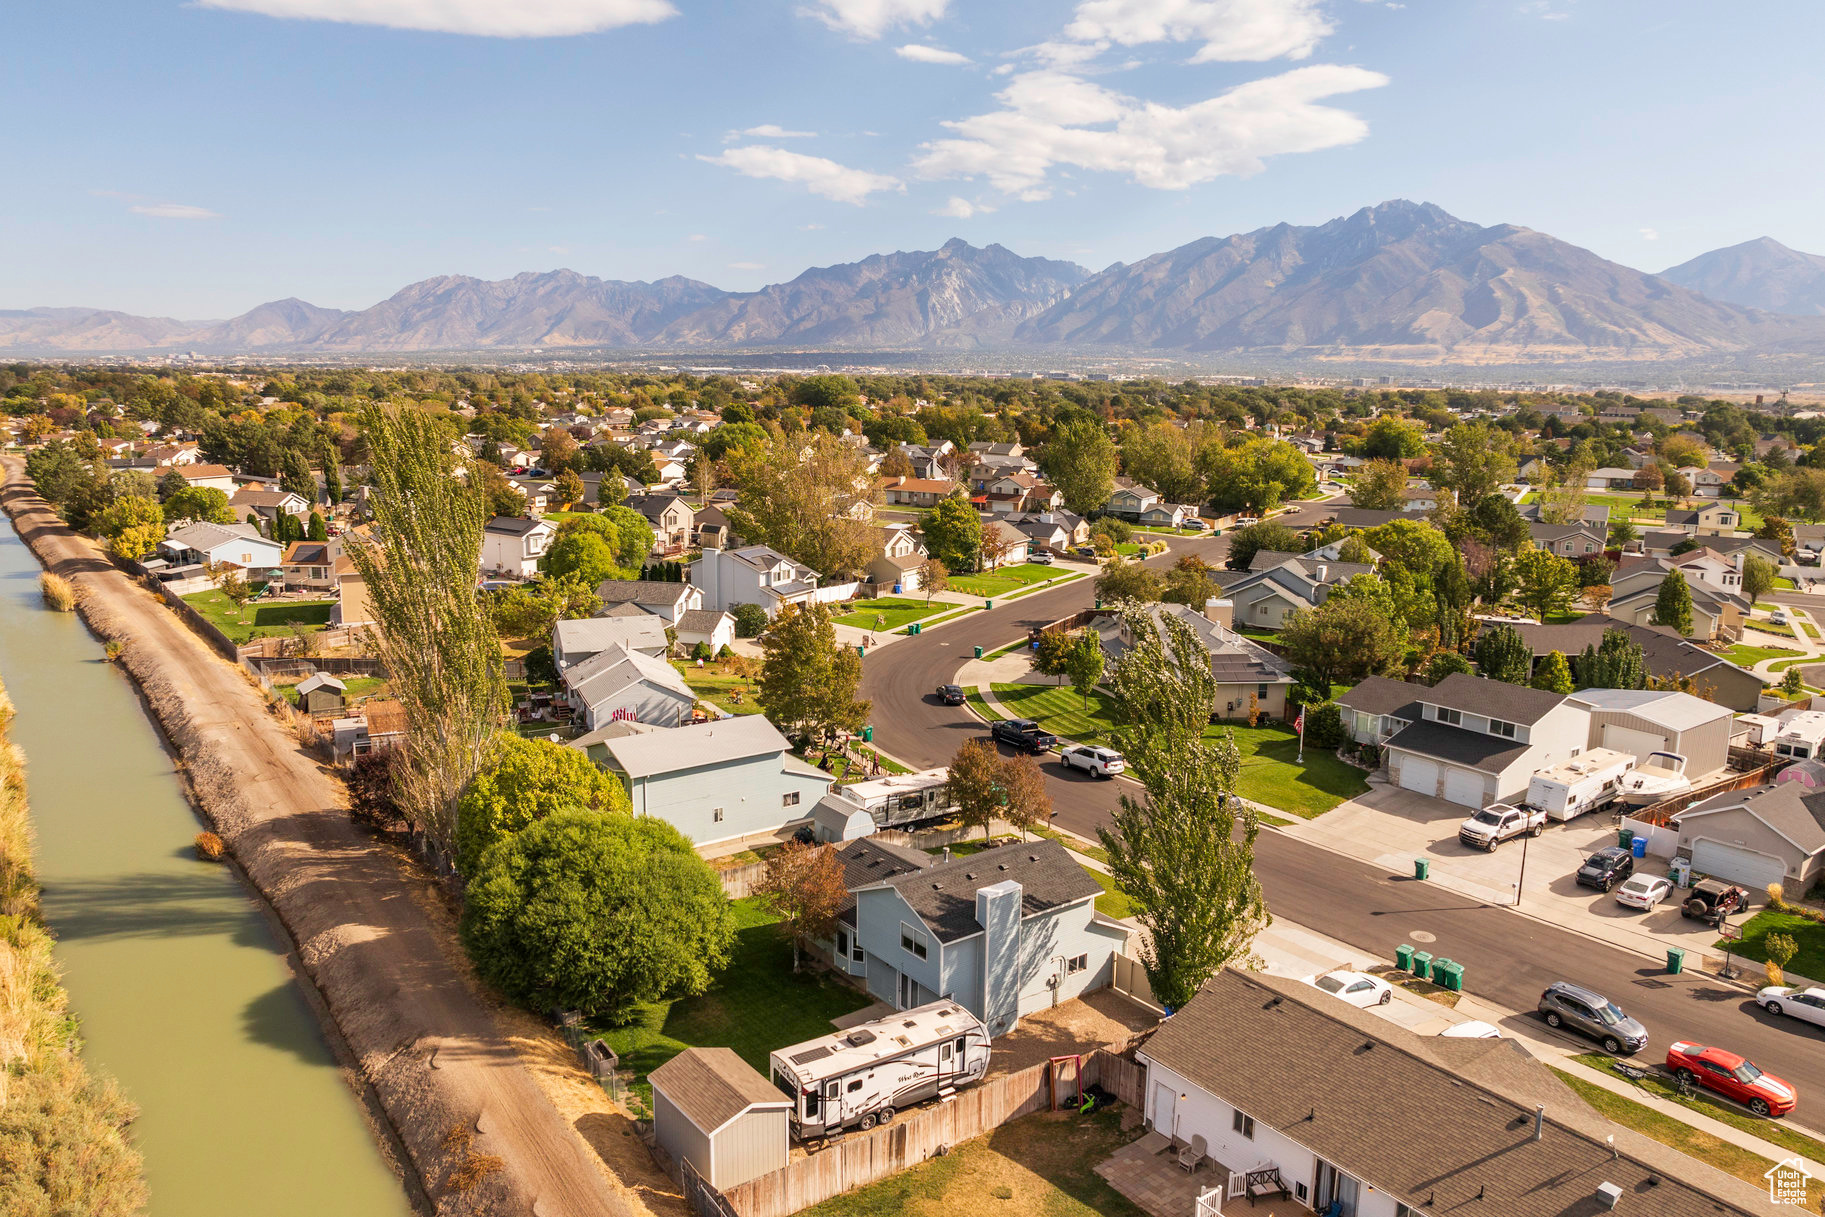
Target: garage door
{"type": "Point", "coordinates": [1737, 865]}
{"type": "Point", "coordinates": [1418, 774]}
{"type": "Point", "coordinates": [1464, 786]}
{"type": "Point", "coordinates": [1627, 739]}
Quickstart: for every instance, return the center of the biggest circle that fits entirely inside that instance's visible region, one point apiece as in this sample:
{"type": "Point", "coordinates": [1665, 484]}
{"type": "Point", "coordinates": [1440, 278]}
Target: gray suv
{"type": "Point", "coordinates": [1579, 1009]}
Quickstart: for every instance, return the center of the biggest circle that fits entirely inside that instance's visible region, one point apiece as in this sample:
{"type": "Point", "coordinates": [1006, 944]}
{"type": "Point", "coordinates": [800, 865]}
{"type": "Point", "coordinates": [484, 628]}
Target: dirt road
{"type": "Point", "coordinates": [438, 1060]}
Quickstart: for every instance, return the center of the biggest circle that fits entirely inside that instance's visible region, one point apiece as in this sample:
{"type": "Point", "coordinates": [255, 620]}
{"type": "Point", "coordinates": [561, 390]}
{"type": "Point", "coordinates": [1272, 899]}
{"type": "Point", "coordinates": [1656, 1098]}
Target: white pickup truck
{"type": "Point", "coordinates": [1497, 822]}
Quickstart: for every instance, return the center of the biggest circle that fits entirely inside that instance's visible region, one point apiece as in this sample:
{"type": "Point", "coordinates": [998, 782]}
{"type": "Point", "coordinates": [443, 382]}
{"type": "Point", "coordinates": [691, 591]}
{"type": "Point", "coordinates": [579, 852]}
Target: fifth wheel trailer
{"type": "Point", "coordinates": [860, 1077]}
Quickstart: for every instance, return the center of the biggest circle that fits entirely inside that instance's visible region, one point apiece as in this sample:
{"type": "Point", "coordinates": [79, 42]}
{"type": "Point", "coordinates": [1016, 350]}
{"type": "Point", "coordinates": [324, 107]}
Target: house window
{"type": "Point", "coordinates": [790, 800]}
{"type": "Point", "coordinates": [911, 941]}
{"type": "Point", "coordinates": [857, 953]}
{"type": "Point", "coordinates": [1076, 963]}
{"type": "Point", "coordinates": [1498, 727]}
{"type": "Point", "coordinates": [1589, 548]}
{"type": "Point", "coordinates": [1449, 716]}
{"type": "Point", "coordinates": [1243, 1124]}
{"type": "Point", "coordinates": [842, 944]}
{"type": "Point", "coordinates": [716, 816]}
{"type": "Point", "coordinates": [1261, 691]}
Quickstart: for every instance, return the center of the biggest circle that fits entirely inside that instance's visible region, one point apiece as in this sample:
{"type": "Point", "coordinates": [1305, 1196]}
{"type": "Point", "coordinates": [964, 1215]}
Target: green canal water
{"type": "Point", "coordinates": [179, 983]}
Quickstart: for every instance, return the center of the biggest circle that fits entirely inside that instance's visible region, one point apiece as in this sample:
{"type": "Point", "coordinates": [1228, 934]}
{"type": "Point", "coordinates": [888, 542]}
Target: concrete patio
{"type": "Point", "coordinates": [1147, 1172]}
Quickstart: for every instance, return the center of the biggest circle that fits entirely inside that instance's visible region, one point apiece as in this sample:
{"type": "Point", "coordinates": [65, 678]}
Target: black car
{"type": "Point", "coordinates": [1085, 551]}
{"type": "Point", "coordinates": [951, 695]}
{"type": "Point", "coordinates": [1606, 868]}
{"type": "Point", "coordinates": [1024, 734]}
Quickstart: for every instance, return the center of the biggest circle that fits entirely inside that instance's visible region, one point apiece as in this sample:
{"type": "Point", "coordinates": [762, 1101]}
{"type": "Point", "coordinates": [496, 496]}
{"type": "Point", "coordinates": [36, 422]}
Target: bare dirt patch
{"type": "Point", "coordinates": [1081, 1025]}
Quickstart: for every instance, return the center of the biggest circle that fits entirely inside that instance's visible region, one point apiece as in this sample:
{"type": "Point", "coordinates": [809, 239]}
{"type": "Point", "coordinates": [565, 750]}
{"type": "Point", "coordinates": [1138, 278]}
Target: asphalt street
{"type": "Point", "coordinates": [1508, 958]}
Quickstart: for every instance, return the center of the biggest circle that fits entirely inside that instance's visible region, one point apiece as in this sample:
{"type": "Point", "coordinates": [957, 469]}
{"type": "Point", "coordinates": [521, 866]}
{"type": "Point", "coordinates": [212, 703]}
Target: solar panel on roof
{"type": "Point", "coordinates": [815, 1054]}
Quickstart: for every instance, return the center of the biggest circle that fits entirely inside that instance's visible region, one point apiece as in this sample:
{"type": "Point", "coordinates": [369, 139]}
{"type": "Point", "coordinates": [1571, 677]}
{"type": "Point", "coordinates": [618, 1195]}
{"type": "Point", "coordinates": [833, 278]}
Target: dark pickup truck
{"type": "Point", "coordinates": [1024, 734]}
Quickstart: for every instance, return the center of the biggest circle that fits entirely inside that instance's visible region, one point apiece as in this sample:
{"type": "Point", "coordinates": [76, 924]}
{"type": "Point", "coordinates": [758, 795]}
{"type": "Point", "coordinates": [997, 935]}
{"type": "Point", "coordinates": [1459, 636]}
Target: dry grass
{"type": "Point", "coordinates": [209, 847]}
{"type": "Point", "coordinates": [58, 593]}
{"type": "Point", "coordinates": [472, 1170]}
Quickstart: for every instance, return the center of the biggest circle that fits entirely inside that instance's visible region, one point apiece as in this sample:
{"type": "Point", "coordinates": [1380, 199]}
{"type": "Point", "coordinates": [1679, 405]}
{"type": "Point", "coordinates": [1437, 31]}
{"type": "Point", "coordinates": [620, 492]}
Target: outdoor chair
{"type": "Point", "coordinates": [1193, 1154]}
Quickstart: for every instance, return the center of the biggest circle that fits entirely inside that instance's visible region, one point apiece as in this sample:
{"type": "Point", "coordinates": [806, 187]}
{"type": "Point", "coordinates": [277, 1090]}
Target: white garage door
{"type": "Point", "coordinates": [1627, 739]}
{"type": "Point", "coordinates": [1737, 865]}
{"type": "Point", "coordinates": [1464, 786]}
{"type": "Point", "coordinates": [1418, 774]}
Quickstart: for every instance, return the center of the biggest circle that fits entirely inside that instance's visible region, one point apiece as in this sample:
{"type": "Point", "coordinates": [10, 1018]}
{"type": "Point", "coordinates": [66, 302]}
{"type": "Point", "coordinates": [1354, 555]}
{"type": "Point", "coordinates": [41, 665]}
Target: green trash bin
{"type": "Point", "coordinates": [1625, 837]}
{"type": "Point", "coordinates": [1422, 964]}
{"type": "Point", "coordinates": [913, 629]}
{"type": "Point", "coordinates": [1676, 960]}
{"type": "Point", "coordinates": [1448, 974]}
{"type": "Point", "coordinates": [987, 604]}
{"type": "Point", "coordinates": [860, 650]}
{"type": "Point", "coordinates": [978, 652]}
{"type": "Point", "coordinates": [1403, 957]}
{"type": "Point", "coordinates": [1422, 868]}
{"type": "Point", "coordinates": [868, 735]}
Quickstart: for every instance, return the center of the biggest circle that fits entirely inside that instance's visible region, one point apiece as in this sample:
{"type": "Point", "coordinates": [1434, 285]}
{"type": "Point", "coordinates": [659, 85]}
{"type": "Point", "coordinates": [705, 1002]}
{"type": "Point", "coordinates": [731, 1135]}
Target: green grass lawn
{"type": "Point", "coordinates": [1060, 710]}
{"type": "Point", "coordinates": [1783, 583]}
{"type": "Point", "coordinates": [1769, 627]}
{"type": "Point", "coordinates": [714, 682]}
{"type": "Point", "coordinates": [889, 613]}
{"type": "Point", "coordinates": [257, 619]}
{"type": "Point", "coordinates": [354, 687]}
{"type": "Point", "coordinates": [1808, 935]}
{"type": "Point", "coordinates": [1748, 656]}
{"type": "Point", "coordinates": [757, 1005]}
{"type": "Point", "coordinates": [945, 616]}
{"type": "Point", "coordinates": [1003, 579]}
{"type": "Point", "coordinates": [1711, 1150]}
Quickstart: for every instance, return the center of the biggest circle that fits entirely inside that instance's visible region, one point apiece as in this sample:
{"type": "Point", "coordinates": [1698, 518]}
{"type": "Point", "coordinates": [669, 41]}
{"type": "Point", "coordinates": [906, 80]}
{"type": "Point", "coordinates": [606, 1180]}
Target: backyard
{"type": "Point", "coordinates": [1003, 580]}
{"type": "Point", "coordinates": [756, 1006]}
{"type": "Point", "coordinates": [354, 688]}
{"type": "Point", "coordinates": [716, 682]}
{"type": "Point", "coordinates": [259, 619]}
{"type": "Point", "coordinates": [890, 613]}
{"type": "Point", "coordinates": [1042, 1165]}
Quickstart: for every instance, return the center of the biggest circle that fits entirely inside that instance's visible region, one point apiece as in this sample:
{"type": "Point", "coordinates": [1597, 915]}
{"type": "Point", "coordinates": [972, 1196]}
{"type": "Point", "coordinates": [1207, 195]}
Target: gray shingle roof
{"type": "Point", "coordinates": [867, 862]}
{"type": "Point", "coordinates": [1436, 1122]}
{"type": "Point", "coordinates": [699, 621]}
{"type": "Point", "coordinates": [1382, 695]}
{"type": "Point", "coordinates": [513, 526]}
{"type": "Point", "coordinates": [1485, 753]}
{"type": "Point", "coordinates": [944, 896]}
{"type": "Point", "coordinates": [1492, 698]}
{"type": "Point", "coordinates": [697, 746]}
{"type": "Point", "coordinates": [1795, 811]}
{"type": "Point", "coordinates": [712, 1086]}
{"type": "Point", "coordinates": [640, 591]}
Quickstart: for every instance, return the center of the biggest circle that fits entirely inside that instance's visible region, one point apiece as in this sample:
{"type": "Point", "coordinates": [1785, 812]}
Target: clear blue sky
{"type": "Point", "coordinates": [193, 159]}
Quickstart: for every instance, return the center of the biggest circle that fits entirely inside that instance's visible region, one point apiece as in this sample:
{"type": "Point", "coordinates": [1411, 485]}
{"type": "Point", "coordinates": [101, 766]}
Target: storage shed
{"type": "Point", "coordinates": [711, 1109]}
{"type": "Point", "coordinates": [1642, 721]}
{"type": "Point", "coordinates": [321, 694]}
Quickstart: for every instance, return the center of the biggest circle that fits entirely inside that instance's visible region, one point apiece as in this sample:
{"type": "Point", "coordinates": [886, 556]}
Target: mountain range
{"type": "Point", "coordinates": [1399, 281]}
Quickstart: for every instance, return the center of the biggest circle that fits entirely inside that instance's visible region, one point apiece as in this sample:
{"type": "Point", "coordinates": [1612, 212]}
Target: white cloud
{"type": "Point", "coordinates": [1052, 118]}
{"type": "Point", "coordinates": [490, 18]}
{"type": "Point", "coordinates": [1650, 234]}
{"type": "Point", "coordinates": [810, 227]}
{"type": "Point", "coordinates": [959, 208]}
{"type": "Point", "coordinates": [698, 236]}
{"type": "Point", "coordinates": [931, 54]}
{"type": "Point", "coordinates": [767, 131]}
{"type": "Point", "coordinates": [174, 211]}
{"type": "Point", "coordinates": [747, 266]}
{"type": "Point", "coordinates": [1231, 30]}
{"type": "Point", "coordinates": [819, 176]}
{"type": "Point", "coordinates": [872, 18]}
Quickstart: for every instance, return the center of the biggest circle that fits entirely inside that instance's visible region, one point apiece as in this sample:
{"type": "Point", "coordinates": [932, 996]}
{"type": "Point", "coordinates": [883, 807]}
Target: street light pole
{"type": "Point", "coordinates": [1523, 880]}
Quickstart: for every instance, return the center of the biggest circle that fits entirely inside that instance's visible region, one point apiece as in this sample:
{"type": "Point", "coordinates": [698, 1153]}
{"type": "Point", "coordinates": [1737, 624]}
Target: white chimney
{"type": "Point", "coordinates": [1322, 571]}
{"type": "Point", "coordinates": [1223, 612]}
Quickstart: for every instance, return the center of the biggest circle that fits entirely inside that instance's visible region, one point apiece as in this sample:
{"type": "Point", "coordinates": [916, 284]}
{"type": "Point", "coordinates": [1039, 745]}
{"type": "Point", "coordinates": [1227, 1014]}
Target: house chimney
{"type": "Point", "coordinates": [1322, 571]}
{"type": "Point", "coordinates": [1223, 612]}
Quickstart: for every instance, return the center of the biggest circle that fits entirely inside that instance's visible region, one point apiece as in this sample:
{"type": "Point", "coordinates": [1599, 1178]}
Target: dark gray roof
{"type": "Point", "coordinates": [1492, 698]}
{"type": "Point", "coordinates": [712, 1086]}
{"type": "Point", "coordinates": [512, 526]}
{"type": "Point", "coordinates": [944, 896]}
{"type": "Point", "coordinates": [1457, 746]}
{"type": "Point", "coordinates": [1666, 654]}
{"type": "Point", "coordinates": [1436, 1122]}
{"type": "Point", "coordinates": [1558, 532]}
{"type": "Point", "coordinates": [640, 591]}
{"type": "Point", "coordinates": [867, 862]}
{"type": "Point", "coordinates": [700, 621]}
{"type": "Point", "coordinates": [1364, 517]}
{"type": "Point", "coordinates": [1382, 695]}
{"type": "Point", "coordinates": [1794, 810]}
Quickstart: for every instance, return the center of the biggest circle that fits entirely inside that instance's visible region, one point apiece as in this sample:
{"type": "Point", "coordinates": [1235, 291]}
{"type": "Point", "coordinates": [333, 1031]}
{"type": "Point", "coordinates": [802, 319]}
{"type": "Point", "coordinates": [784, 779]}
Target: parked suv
{"type": "Point", "coordinates": [1024, 734]}
{"type": "Point", "coordinates": [1606, 868]}
{"type": "Point", "coordinates": [1592, 1014]}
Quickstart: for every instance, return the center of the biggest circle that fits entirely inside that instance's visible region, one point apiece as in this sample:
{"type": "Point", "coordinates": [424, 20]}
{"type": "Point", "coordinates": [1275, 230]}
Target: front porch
{"type": "Point", "coordinates": [1147, 1172]}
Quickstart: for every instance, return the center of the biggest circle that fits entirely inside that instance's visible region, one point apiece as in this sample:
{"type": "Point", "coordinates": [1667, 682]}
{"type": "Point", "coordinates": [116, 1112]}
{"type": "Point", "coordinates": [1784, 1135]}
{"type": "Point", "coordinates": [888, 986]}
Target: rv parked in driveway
{"type": "Point", "coordinates": [861, 1077]}
{"type": "Point", "coordinates": [1581, 784]}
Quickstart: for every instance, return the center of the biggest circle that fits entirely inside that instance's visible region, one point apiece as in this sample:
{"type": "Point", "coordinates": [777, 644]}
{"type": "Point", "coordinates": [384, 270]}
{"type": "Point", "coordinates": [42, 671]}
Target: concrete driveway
{"type": "Point", "coordinates": [1392, 827]}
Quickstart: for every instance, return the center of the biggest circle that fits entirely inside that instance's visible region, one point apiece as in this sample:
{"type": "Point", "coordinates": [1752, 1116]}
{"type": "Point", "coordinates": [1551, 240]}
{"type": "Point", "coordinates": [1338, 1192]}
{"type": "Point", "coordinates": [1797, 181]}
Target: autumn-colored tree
{"type": "Point", "coordinates": [804, 885]}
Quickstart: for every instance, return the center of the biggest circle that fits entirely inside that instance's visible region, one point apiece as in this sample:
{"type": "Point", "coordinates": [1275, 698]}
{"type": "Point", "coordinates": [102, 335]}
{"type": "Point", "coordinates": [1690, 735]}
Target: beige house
{"type": "Point", "coordinates": [1718, 604]}
{"type": "Point", "coordinates": [1247, 675]}
{"type": "Point", "coordinates": [1711, 520]}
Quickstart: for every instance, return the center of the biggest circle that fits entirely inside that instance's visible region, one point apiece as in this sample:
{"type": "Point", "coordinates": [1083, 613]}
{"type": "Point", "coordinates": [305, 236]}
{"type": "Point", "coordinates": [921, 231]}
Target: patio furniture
{"type": "Point", "coordinates": [1191, 1155]}
{"type": "Point", "coordinates": [1264, 1181]}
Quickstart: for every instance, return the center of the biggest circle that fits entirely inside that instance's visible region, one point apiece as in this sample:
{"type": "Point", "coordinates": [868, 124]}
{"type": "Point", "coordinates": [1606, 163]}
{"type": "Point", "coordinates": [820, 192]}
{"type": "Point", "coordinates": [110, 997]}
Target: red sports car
{"type": "Point", "coordinates": [1732, 1076]}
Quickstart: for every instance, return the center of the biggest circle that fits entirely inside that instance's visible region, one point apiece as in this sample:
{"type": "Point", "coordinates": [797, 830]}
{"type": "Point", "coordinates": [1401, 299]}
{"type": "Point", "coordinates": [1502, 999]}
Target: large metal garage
{"type": "Point", "coordinates": [1641, 721]}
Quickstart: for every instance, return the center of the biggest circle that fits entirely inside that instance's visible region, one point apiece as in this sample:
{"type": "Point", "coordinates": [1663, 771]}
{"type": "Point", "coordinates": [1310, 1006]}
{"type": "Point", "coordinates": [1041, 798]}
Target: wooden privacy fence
{"type": "Point", "coordinates": [862, 1158]}
{"type": "Point", "coordinates": [1662, 813]}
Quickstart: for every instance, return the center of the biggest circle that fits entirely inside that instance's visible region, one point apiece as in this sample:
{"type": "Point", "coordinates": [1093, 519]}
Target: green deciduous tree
{"type": "Point", "coordinates": [204, 504]}
{"type": "Point", "coordinates": [1545, 582]}
{"type": "Point", "coordinates": [1125, 580]}
{"type": "Point", "coordinates": [953, 534]}
{"type": "Point", "coordinates": [1083, 662]}
{"type": "Point", "coordinates": [596, 913]}
{"type": "Point", "coordinates": [1554, 674]}
{"type": "Point", "coordinates": [1616, 662]}
{"type": "Point", "coordinates": [524, 781]}
{"type": "Point", "coordinates": [1759, 575]}
{"type": "Point", "coordinates": [1393, 438]}
{"type": "Point", "coordinates": [1255, 474]}
{"type": "Point", "coordinates": [1380, 485]}
{"type": "Point", "coordinates": [1673, 603]}
{"type": "Point", "coordinates": [1080, 459]}
{"type": "Point", "coordinates": [1163, 456]}
{"type": "Point", "coordinates": [1343, 640]}
{"type": "Point", "coordinates": [1184, 851]}
{"type": "Point", "coordinates": [807, 680]}
{"type": "Point", "coordinates": [1502, 654]}
{"type": "Point", "coordinates": [1474, 460]}
{"type": "Point", "coordinates": [1445, 663]}
{"type": "Point", "coordinates": [133, 526]}
{"type": "Point", "coordinates": [1246, 542]}
{"type": "Point", "coordinates": [811, 498]}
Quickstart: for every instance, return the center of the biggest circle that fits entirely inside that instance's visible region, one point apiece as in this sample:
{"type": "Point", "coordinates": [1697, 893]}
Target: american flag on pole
{"type": "Point", "coordinates": [1299, 723]}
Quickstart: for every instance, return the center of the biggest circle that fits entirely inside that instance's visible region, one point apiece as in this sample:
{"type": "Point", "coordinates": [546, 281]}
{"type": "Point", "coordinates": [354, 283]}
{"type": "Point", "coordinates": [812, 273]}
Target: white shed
{"type": "Point", "coordinates": [711, 1109]}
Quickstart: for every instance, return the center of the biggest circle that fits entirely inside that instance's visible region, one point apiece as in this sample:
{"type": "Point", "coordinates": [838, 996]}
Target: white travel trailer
{"type": "Point", "coordinates": [900, 799]}
{"type": "Point", "coordinates": [1802, 737]}
{"type": "Point", "coordinates": [860, 1077]}
{"type": "Point", "coordinates": [1584, 783]}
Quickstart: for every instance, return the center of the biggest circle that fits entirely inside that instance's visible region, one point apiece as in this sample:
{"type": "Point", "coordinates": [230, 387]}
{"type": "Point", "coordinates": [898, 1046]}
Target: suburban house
{"type": "Point", "coordinates": [1718, 603]}
{"type": "Point", "coordinates": [573, 642]}
{"type": "Point", "coordinates": [1020, 491]}
{"type": "Point", "coordinates": [1378, 708]}
{"type": "Point", "coordinates": [713, 527]}
{"type": "Point", "coordinates": [1162, 514]}
{"type": "Point", "coordinates": [917, 492]}
{"type": "Point", "coordinates": [1667, 656]}
{"type": "Point", "coordinates": [269, 505]}
{"type": "Point", "coordinates": [1711, 520]}
{"type": "Point", "coordinates": [1003, 544]}
{"type": "Point", "coordinates": [310, 566]}
{"type": "Point", "coordinates": [668, 600]}
{"type": "Point", "coordinates": [671, 517]}
{"type": "Point", "coordinates": [164, 456]}
{"type": "Point", "coordinates": [713, 629]}
{"type": "Point", "coordinates": [1129, 499]}
{"type": "Point", "coordinates": [752, 575]}
{"type": "Point", "coordinates": [1004, 933]}
{"type": "Point", "coordinates": [513, 545]}
{"type": "Point", "coordinates": [1758, 836]}
{"type": "Point", "coordinates": [723, 780]}
{"type": "Point", "coordinates": [1572, 541]}
{"type": "Point", "coordinates": [1480, 741]}
{"type": "Point", "coordinates": [898, 571]}
{"type": "Point", "coordinates": [1596, 515]}
{"type": "Point", "coordinates": [928, 460]}
{"type": "Point", "coordinates": [1713, 481]}
{"type": "Point", "coordinates": [235, 545]}
{"type": "Point", "coordinates": [865, 862]}
{"type": "Point", "coordinates": [1278, 584]}
{"type": "Point", "coordinates": [1289, 1087]}
{"type": "Point", "coordinates": [1808, 542]}
{"type": "Point", "coordinates": [209, 477]}
{"type": "Point", "coordinates": [713, 1110]}
{"type": "Point", "coordinates": [351, 608]}
{"type": "Point", "coordinates": [1247, 675]}
{"type": "Point", "coordinates": [1610, 479]}
{"type": "Point", "coordinates": [627, 684]}
{"type": "Point", "coordinates": [1423, 498]}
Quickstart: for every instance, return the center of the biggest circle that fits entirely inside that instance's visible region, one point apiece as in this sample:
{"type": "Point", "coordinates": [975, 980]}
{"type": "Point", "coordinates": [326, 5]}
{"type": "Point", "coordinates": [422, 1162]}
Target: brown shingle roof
{"type": "Point", "coordinates": [712, 1086]}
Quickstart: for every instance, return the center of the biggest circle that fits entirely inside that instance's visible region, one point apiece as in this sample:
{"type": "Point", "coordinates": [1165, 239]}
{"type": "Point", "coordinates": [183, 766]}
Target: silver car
{"type": "Point", "coordinates": [1591, 1014]}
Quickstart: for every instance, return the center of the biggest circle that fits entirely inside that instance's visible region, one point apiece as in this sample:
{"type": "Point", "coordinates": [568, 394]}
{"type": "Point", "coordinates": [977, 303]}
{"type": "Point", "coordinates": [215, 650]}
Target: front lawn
{"type": "Point", "coordinates": [1060, 710]}
{"type": "Point", "coordinates": [756, 1006]}
{"type": "Point", "coordinates": [1747, 656]}
{"type": "Point", "coordinates": [258, 619]}
{"type": "Point", "coordinates": [1809, 935]}
{"type": "Point", "coordinates": [1003, 579]}
{"type": "Point", "coordinates": [1770, 627]}
{"type": "Point", "coordinates": [716, 683]}
{"type": "Point", "coordinates": [1042, 1165]}
{"type": "Point", "coordinates": [889, 613]}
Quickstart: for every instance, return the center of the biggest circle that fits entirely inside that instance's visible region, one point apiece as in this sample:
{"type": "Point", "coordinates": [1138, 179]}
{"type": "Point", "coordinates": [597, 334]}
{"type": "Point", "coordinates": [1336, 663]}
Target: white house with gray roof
{"type": "Point", "coordinates": [1243, 669]}
{"type": "Point", "coordinates": [755, 574]}
{"type": "Point", "coordinates": [238, 545]}
{"type": "Point", "coordinates": [1479, 741]}
{"type": "Point", "coordinates": [513, 545]}
{"type": "Point", "coordinates": [655, 596]}
{"type": "Point", "coordinates": [627, 683]}
{"type": "Point", "coordinates": [572, 642]}
{"type": "Point", "coordinates": [719, 781]}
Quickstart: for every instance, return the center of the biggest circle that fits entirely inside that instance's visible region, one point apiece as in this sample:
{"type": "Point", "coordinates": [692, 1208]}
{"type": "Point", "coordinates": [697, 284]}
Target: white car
{"type": "Point", "coordinates": [1358, 988]}
{"type": "Point", "coordinates": [1778, 617]}
{"type": "Point", "coordinates": [1040, 557]}
{"type": "Point", "coordinates": [1807, 1005]}
{"type": "Point", "coordinates": [1644, 892]}
{"type": "Point", "coordinates": [1245, 521]}
{"type": "Point", "coordinates": [1472, 1030]}
{"type": "Point", "coordinates": [1103, 762]}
